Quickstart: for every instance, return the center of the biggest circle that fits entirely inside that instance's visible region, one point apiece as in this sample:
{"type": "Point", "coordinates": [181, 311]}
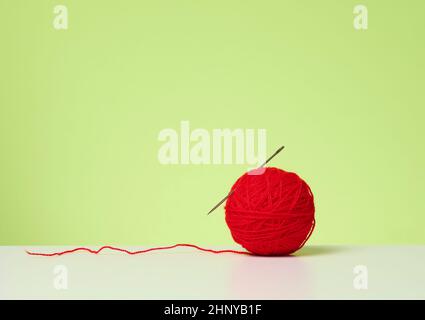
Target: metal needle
{"type": "Point", "coordinates": [231, 192]}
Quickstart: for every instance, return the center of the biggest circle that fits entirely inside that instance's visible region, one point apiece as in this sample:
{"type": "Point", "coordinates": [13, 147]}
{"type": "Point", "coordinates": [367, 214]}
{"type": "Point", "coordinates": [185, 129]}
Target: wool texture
{"type": "Point", "coordinates": [270, 212]}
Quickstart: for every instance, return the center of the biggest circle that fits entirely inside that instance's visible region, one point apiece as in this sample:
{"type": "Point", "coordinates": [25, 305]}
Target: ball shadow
{"type": "Point", "coordinates": [317, 250]}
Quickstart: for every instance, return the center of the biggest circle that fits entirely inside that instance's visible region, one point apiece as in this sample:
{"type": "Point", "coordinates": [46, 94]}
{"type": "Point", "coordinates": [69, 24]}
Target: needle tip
{"type": "Point", "coordinates": [218, 204]}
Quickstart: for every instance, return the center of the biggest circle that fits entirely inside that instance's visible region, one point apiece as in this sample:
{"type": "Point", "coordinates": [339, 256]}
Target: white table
{"type": "Point", "coordinates": [315, 272]}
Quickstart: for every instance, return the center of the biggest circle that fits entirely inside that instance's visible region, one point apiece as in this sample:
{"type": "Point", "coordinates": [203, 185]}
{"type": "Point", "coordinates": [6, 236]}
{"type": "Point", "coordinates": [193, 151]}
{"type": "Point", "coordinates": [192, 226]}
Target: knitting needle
{"type": "Point", "coordinates": [231, 192]}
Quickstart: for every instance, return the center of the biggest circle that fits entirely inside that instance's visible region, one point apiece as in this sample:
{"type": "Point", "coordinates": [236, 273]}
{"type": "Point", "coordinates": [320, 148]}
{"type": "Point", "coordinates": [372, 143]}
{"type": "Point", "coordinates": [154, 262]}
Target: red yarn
{"type": "Point", "coordinates": [268, 214]}
{"type": "Point", "coordinates": [60, 253]}
{"type": "Point", "coordinates": [271, 213]}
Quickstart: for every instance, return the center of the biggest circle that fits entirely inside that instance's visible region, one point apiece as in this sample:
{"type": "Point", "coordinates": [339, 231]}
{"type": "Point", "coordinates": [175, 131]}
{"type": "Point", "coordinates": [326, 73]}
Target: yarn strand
{"type": "Point", "coordinates": [60, 253]}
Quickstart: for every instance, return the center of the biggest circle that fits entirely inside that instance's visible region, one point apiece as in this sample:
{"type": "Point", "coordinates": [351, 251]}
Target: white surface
{"type": "Point", "coordinates": [316, 272]}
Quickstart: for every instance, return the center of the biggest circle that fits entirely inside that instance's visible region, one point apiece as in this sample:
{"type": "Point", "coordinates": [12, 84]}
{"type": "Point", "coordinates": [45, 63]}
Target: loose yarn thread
{"type": "Point", "coordinates": [60, 253]}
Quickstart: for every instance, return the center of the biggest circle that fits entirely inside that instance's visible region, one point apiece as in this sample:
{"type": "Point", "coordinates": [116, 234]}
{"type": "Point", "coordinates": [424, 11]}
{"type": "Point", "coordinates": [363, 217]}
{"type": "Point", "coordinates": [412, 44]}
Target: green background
{"type": "Point", "coordinates": [81, 109]}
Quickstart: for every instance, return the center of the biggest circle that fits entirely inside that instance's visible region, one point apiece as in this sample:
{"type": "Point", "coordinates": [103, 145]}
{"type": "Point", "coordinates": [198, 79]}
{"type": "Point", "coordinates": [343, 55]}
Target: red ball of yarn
{"type": "Point", "coordinates": [270, 213]}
